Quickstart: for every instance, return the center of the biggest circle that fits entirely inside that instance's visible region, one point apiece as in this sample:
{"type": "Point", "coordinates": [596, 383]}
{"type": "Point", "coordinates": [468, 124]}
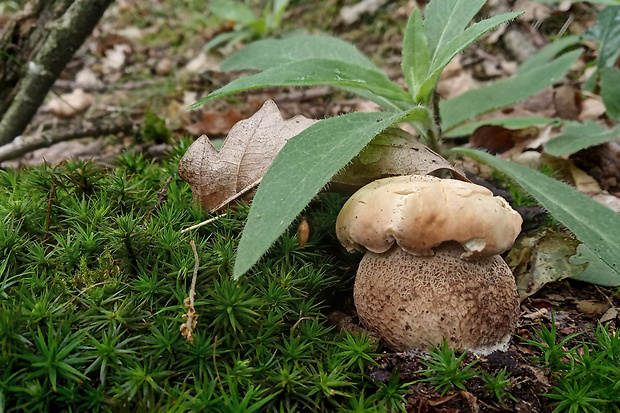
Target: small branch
{"type": "Point", "coordinates": [91, 128]}
{"type": "Point", "coordinates": [65, 36]}
{"type": "Point", "coordinates": [203, 223]}
{"type": "Point", "coordinates": [70, 85]}
{"type": "Point", "coordinates": [237, 195]}
{"type": "Point", "coordinates": [192, 318]}
{"type": "Point", "coordinates": [162, 196]}
{"type": "Point", "coordinates": [301, 318]}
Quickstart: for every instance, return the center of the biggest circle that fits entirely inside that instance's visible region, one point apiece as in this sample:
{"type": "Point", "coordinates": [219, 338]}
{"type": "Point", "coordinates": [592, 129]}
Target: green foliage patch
{"type": "Point", "coordinates": [92, 287]}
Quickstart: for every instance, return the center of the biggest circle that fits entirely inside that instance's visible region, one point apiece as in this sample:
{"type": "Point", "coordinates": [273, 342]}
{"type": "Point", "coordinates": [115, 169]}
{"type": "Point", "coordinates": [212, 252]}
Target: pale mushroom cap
{"type": "Point", "coordinates": [413, 301]}
{"type": "Point", "coordinates": [420, 212]}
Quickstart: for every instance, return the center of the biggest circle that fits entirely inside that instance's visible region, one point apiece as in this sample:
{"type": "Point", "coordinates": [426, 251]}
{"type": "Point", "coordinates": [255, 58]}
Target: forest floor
{"type": "Point", "coordinates": [146, 58]}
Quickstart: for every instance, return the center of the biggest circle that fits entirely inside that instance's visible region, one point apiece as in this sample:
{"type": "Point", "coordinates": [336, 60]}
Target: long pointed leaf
{"type": "Point", "coordinates": [470, 104]}
{"type": "Point", "coordinates": [305, 164]}
{"type": "Point", "coordinates": [446, 19]}
{"type": "Point", "coordinates": [416, 62]}
{"type": "Point", "coordinates": [606, 32]}
{"type": "Point", "coordinates": [265, 54]}
{"type": "Point", "coordinates": [457, 45]}
{"type": "Point", "coordinates": [610, 90]}
{"type": "Point", "coordinates": [594, 224]}
{"type": "Point", "coordinates": [314, 72]}
{"type": "Point", "coordinates": [577, 136]}
{"type": "Point", "coordinates": [547, 53]}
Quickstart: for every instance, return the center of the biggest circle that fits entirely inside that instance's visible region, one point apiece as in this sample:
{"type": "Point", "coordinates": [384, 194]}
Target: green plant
{"type": "Point", "coordinates": [310, 159]}
{"type": "Point", "coordinates": [247, 25]}
{"type": "Point", "coordinates": [576, 136]}
{"type": "Point", "coordinates": [56, 357]}
{"type": "Point", "coordinates": [92, 294]}
{"type": "Point", "coordinates": [495, 385]}
{"type": "Point", "coordinates": [445, 370]}
{"type": "Point", "coordinates": [574, 398]}
{"type": "Point", "coordinates": [391, 395]}
{"type": "Point", "coordinates": [546, 341]}
{"type": "Point", "coordinates": [585, 376]}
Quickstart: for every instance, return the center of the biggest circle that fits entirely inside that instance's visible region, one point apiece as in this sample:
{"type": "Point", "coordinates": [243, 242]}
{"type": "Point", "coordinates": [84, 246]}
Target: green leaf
{"type": "Point", "coordinates": [302, 168]}
{"type": "Point", "coordinates": [457, 45]}
{"type": "Point", "coordinates": [233, 10]}
{"type": "Point", "coordinates": [416, 62]}
{"type": "Point", "coordinates": [577, 136]}
{"type": "Point", "coordinates": [596, 271]}
{"type": "Point", "coordinates": [313, 72]}
{"type": "Point", "coordinates": [446, 19]}
{"type": "Point", "coordinates": [269, 53]}
{"type": "Point", "coordinates": [508, 123]}
{"type": "Point", "coordinates": [470, 104]}
{"type": "Point", "coordinates": [610, 90]}
{"type": "Point", "coordinates": [594, 224]}
{"type": "Point", "coordinates": [606, 31]}
{"type": "Point", "coordinates": [547, 53]}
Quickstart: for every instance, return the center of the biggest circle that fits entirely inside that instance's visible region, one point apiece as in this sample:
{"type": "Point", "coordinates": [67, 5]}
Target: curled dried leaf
{"type": "Point", "coordinates": [394, 152]}
{"type": "Point", "coordinates": [248, 151]}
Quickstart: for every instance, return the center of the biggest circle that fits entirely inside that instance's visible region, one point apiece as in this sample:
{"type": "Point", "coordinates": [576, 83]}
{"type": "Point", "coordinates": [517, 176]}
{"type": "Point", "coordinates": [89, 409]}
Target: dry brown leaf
{"type": "Point", "coordinates": [566, 170]}
{"type": "Point", "coordinates": [215, 123]}
{"type": "Point", "coordinates": [592, 307]}
{"type": "Point", "coordinates": [69, 104]}
{"type": "Point", "coordinates": [248, 151]}
{"type": "Point", "coordinates": [609, 315]}
{"type": "Point", "coordinates": [610, 201]}
{"type": "Point", "coordinates": [591, 109]}
{"type": "Point", "coordinates": [395, 152]}
{"type": "Point", "coordinates": [567, 102]}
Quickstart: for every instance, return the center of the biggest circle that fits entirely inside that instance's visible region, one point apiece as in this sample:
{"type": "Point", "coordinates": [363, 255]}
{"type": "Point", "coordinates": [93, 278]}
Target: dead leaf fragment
{"type": "Point", "coordinates": [592, 307]}
{"type": "Point", "coordinates": [69, 104]}
{"type": "Point", "coordinates": [567, 102]}
{"type": "Point", "coordinates": [215, 123]}
{"type": "Point", "coordinates": [394, 152]}
{"type": "Point", "coordinates": [611, 314]}
{"type": "Point", "coordinates": [248, 151]}
{"type": "Point", "coordinates": [591, 109]}
{"type": "Point", "coordinates": [549, 263]}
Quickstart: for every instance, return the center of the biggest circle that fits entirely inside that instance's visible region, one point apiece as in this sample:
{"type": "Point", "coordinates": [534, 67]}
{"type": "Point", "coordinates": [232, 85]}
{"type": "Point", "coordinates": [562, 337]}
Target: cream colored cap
{"type": "Point", "coordinates": [419, 212]}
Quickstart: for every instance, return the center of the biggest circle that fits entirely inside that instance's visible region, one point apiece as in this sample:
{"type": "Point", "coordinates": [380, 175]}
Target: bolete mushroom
{"type": "Point", "coordinates": [432, 269]}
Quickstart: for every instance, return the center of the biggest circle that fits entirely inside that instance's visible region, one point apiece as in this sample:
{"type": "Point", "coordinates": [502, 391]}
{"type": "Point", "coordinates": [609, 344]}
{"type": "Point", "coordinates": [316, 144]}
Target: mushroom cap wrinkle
{"type": "Point", "coordinates": [414, 301]}
{"type": "Point", "coordinates": [420, 212]}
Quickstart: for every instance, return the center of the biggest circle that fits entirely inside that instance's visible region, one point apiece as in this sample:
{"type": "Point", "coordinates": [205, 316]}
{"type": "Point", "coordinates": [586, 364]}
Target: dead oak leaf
{"type": "Point", "coordinates": [249, 149]}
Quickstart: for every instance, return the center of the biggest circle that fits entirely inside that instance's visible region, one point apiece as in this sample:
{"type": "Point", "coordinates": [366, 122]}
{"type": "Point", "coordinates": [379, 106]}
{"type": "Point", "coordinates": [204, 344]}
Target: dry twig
{"type": "Point", "coordinates": [162, 196]}
{"type": "Point", "coordinates": [191, 317]}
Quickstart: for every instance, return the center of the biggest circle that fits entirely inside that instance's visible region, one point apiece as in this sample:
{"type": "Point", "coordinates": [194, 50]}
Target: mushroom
{"type": "Point", "coordinates": [432, 269]}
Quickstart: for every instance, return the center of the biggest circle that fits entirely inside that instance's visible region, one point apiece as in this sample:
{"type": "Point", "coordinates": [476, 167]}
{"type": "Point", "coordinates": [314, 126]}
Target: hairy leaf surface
{"type": "Point", "coordinates": [416, 61]}
{"type": "Point", "coordinates": [265, 54]}
{"type": "Point", "coordinates": [470, 104]}
{"type": "Point", "coordinates": [446, 19]}
{"type": "Point", "coordinates": [301, 170]}
{"type": "Point", "coordinates": [577, 136]}
{"type": "Point", "coordinates": [314, 72]}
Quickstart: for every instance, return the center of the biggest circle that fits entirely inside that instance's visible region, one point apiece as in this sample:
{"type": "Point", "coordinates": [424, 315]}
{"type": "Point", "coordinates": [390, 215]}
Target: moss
{"type": "Point", "coordinates": [92, 291]}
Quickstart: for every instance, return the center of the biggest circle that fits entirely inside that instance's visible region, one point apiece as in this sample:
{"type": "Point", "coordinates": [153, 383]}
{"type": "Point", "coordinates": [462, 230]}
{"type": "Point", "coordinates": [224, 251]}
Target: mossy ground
{"type": "Point", "coordinates": [93, 278]}
{"type": "Point", "coordinates": [92, 292]}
